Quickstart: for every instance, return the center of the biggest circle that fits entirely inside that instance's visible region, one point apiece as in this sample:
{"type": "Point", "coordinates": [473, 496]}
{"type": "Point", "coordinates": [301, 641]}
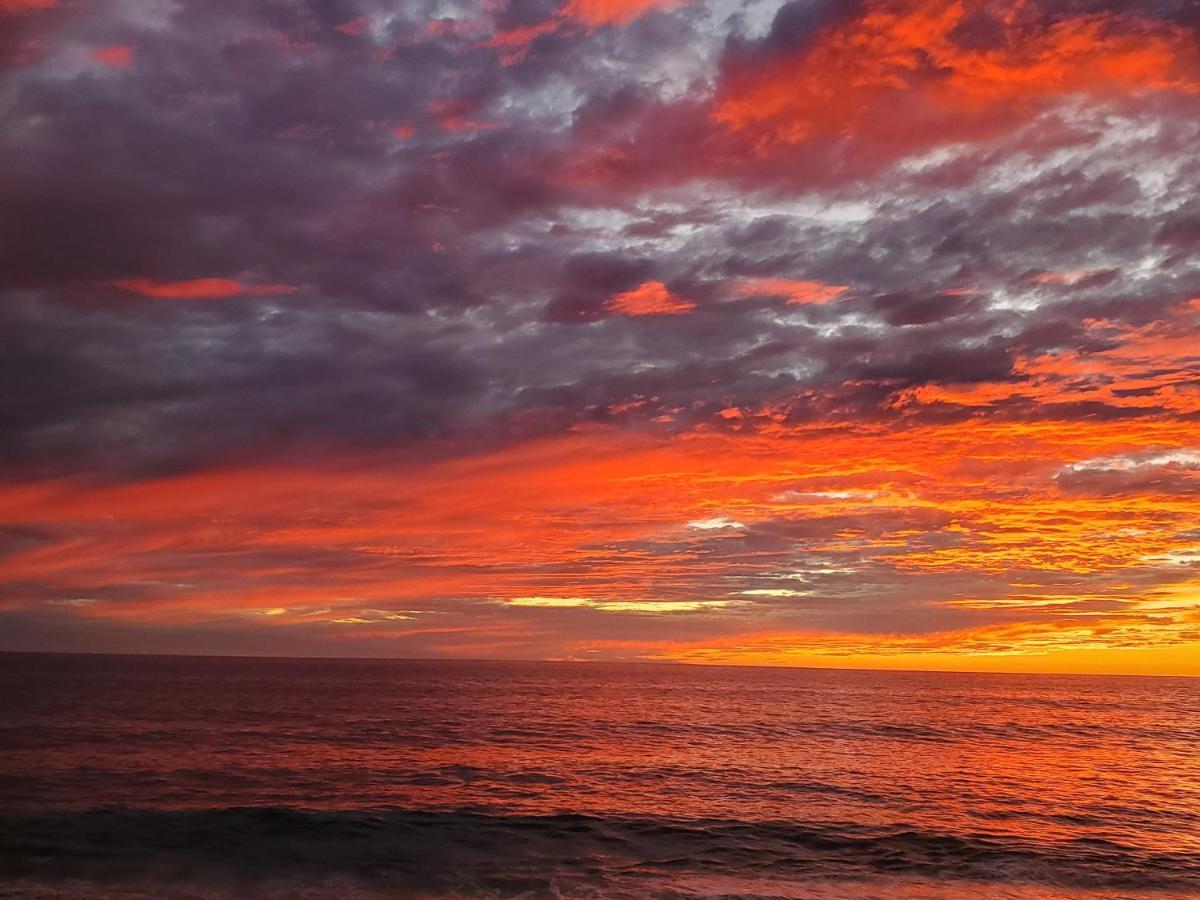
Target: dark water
{"type": "Point", "coordinates": [141, 776]}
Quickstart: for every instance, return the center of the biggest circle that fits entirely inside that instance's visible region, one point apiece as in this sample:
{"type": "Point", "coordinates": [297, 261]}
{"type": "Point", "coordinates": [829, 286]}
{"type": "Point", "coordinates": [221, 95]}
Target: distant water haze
{"type": "Point", "coordinates": [445, 778]}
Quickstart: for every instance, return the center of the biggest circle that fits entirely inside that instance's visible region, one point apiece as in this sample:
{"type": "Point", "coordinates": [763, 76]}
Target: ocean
{"type": "Point", "coordinates": [219, 777]}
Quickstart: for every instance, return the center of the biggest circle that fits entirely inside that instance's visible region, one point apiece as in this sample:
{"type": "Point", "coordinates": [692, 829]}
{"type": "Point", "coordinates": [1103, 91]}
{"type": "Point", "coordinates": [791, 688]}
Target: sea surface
{"type": "Point", "coordinates": [205, 777]}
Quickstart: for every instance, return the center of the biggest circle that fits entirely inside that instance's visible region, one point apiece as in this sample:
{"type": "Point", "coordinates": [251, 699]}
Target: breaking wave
{"type": "Point", "coordinates": [476, 853]}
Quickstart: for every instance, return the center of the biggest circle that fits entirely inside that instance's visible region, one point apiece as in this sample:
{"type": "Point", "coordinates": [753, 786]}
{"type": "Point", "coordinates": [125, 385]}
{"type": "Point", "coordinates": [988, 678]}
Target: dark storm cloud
{"type": "Point", "coordinates": [590, 280]}
{"type": "Point", "coordinates": [905, 309]}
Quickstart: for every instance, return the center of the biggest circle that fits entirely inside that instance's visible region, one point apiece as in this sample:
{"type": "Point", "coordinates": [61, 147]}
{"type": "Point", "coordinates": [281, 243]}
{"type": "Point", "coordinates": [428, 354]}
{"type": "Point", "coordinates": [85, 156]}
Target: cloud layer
{"type": "Point", "coordinates": [772, 332]}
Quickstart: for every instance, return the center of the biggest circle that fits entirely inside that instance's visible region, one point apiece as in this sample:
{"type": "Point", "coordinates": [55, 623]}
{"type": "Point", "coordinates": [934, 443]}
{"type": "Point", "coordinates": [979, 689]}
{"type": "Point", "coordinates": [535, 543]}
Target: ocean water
{"type": "Point", "coordinates": [202, 777]}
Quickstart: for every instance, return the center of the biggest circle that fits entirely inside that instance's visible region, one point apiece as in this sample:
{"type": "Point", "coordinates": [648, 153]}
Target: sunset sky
{"type": "Point", "coordinates": [787, 332]}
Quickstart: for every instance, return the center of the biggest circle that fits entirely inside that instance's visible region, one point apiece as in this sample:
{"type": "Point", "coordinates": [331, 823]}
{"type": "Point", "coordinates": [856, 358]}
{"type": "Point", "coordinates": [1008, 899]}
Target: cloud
{"type": "Point", "coordinates": [716, 523]}
{"type": "Point", "coordinates": [513, 43]}
{"type": "Point", "coordinates": [613, 12]}
{"type": "Point", "coordinates": [795, 291]}
{"type": "Point", "coordinates": [645, 607]}
{"type": "Point", "coordinates": [198, 288]}
{"type": "Point", "coordinates": [920, 56]}
{"type": "Point", "coordinates": [650, 298]}
{"type": "Point", "coordinates": [117, 56]}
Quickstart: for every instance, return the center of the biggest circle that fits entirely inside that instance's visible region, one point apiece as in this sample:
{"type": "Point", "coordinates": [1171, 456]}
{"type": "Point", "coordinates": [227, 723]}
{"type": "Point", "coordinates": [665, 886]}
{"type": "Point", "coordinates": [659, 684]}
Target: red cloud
{"type": "Point", "coordinates": [119, 56]}
{"type": "Point", "coordinates": [198, 288]}
{"type": "Point", "coordinates": [651, 298]}
{"type": "Point", "coordinates": [898, 78]}
{"type": "Point", "coordinates": [795, 291]}
{"type": "Point", "coordinates": [902, 62]}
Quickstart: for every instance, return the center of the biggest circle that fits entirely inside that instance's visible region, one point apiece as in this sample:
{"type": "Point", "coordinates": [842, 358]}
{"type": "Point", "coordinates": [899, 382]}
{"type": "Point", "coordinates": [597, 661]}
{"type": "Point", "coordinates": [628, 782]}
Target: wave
{"type": "Point", "coordinates": [478, 853]}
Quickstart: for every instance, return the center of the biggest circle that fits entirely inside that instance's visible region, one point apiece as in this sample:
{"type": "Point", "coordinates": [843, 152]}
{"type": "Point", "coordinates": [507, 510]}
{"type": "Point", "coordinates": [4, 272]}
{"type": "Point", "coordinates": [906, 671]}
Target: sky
{"type": "Point", "coordinates": [780, 332]}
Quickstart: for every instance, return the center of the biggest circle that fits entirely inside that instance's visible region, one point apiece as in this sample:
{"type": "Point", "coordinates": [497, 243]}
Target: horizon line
{"type": "Point", "coordinates": [608, 662]}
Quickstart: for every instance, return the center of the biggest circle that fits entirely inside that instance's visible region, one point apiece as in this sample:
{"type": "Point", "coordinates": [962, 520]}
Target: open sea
{"type": "Point", "coordinates": [206, 777]}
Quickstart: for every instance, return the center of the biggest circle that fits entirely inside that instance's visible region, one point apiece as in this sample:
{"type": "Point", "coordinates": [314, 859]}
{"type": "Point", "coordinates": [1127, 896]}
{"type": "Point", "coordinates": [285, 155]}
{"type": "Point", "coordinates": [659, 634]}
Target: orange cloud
{"type": "Point", "coordinates": [1032, 542]}
{"type": "Point", "coordinates": [198, 288]}
{"type": "Point", "coordinates": [1148, 367]}
{"type": "Point", "coordinates": [622, 519]}
{"type": "Point", "coordinates": [900, 67]}
{"type": "Point", "coordinates": [796, 291]}
{"type": "Point", "coordinates": [613, 12]}
{"type": "Point", "coordinates": [651, 298]}
{"type": "Point", "coordinates": [117, 56]}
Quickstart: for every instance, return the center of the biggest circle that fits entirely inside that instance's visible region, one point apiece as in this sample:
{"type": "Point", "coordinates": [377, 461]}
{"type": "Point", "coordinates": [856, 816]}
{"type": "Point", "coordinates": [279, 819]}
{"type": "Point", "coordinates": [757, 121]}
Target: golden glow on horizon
{"type": "Point", "coordinates": [633, 606]}
{"type": "Point", "coordinates": [610, 511]}
{"type": "Point", "coordinates": [1174, 660]}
